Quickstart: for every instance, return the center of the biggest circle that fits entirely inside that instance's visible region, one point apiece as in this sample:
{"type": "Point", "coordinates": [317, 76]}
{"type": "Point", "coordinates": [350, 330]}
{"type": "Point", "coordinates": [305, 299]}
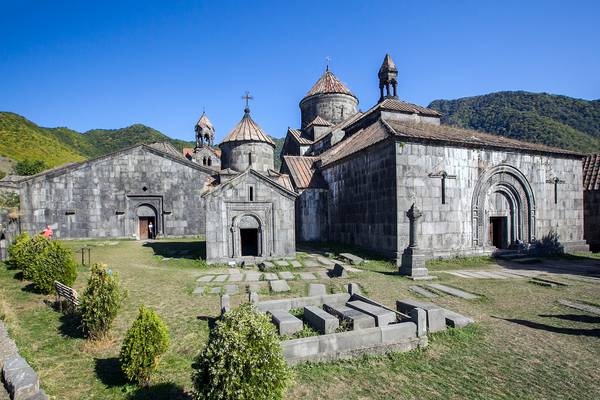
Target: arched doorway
{"type": "Point", "coordinates": [147, 222]}
{"type": "Point", "coordinates": [247, 236]}
{"type": "Point", "coordinates": [503, 208]}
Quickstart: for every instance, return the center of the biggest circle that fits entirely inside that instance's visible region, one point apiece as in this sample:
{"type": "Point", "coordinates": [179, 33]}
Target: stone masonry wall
{"type": "Point", "coordinates": [235, 155]}
{"type": "Point", "coordinates": [447, 229]}
{"type": "Point", "coordinates": [591, 201]}
{"type": "Point", "coordinates": [362, 199]}
{"type": "Point", "coordinates": [312, 215]}
{"type": "Point", "coordinates": [334, 107]}
{"type": "Point", "coordinates": [99, 198]}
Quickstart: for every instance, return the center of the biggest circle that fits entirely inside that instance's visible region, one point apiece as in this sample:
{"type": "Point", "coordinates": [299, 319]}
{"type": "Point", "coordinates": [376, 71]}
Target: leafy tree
{"type": "Point", "coordinates": [100, 302]}
{"type": "Point", "coordinates": [242, 359]}
{"type": "Point", "coordinates": [30, 167]}
{"type": "Point", "coordinates": [145, 342]}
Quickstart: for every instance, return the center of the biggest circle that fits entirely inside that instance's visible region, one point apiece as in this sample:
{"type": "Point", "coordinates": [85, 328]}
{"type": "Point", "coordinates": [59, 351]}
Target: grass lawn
{"type": "Point", "coordinates": [523, 346]}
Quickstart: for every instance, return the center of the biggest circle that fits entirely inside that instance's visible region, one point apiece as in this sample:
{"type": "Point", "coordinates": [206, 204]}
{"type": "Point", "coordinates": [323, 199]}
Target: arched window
{"type": "Point", "coordinates": [251, 193]}
{"type": "Point", "coordinates": [209, 161]}
{"type": "Point", "coordinates": [204, 161]}
{"type": "Point", "coordinates": [249, 158]}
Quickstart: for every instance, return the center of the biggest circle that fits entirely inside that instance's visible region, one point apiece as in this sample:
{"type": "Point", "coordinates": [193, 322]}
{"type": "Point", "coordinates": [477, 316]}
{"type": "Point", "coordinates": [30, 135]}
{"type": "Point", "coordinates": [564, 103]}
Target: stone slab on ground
{"type": "Point", "coordinates": [205, 278]}
{"type": "Point", "coordinates": [279, 286]}
{"type": "Point", "coordinates": [580, 306]}
{"type": "Point", "coordinates": [221, 278]}
{"type": "Point", "coordinates": [231, 289]}
{"type": "Point", "coordinates": [326, 261]}
{"type": "Point", "coordinates": [456, 320]}
{"type": "Point", "coordinates": [199, 290]}
{"type": "Point", "coordinates": [339, 271]}
{"type": "Point", "coordinates": [282, 263]}
{"type": "Point", "coordinates": [453, 291]}
{"type": "Point", "coordinates": [266, 265]}
{"type": "Point", "coordinates": [542, 283]}
{"type": "Point", "coordinates": [554, 281]}
{"type": "Point", "coordinates": [323, 274]}
{"type": "Point", "coordinates": [317, 289]}
{"type": "Point", "coordinates": [233, 271]}
{"type": "Point", "coordinates": [253, 276]}
{"type": "Point", "coordinates": [270, 276]}
{"type": "Point", "coordinates": [352, 269]}
{"type": "Point", "coordinates": [473, 274]}
{"type": "Point", "coordinates": [352, 288]}
{"type": "Point", "coordinates": [356, 319]}
{"type": "Point", "coordinates": [508, 274]}
{"type": "Point", "coordinates": [423, 292]}
{"type": "Point", "coordinates": [351, 258]}
{"type": "Point", "coordinates": [382, 316]}
{"type": "Point", "coordinates": [311, 264]}
{"type": "Point", "coordinates": [296, 264]}
{"type": "Point", "coordinates": [460, 274]}
{"type": "Point", "coordinates": [253, 287]}
{"type": "Point", "coordinates": [320, 320]}
{"type": "Point", "coordinates": [215, 290]}
{"type": "Point", "coordinates": [436, 315]}
{"type": "Point", "coordinates": [237, 277]}
{"type": "Point", "coordinates": [307, 276]}
{"type": "Point", "coordinates": [287, 275]}
{"type": "Point", "coordinates": [20, 379]}
{"type": "Point", "coordinates": [286, 323]}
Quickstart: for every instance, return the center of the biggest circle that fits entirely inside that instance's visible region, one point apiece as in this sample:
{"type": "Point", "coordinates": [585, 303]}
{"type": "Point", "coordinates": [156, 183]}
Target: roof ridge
{"type": "Point", "coordinates": [328, 83]}
{"type": "Point", "coordinates": [248, 130]}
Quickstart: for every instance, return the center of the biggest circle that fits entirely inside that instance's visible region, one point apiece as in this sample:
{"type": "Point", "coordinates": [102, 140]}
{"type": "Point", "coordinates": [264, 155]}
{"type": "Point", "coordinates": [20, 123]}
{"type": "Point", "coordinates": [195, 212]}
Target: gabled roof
{"type": "Point", "coordinates": [166, 147]}
{"type": "Point", "coordinates": [319, 121]}
{"type": "Point", "coordinates": [303, 173]}
{"type": "Point", "coordinates": [297, 135]}
{"type": "Point", "coordinates": [248, 130]}
{"type": "Point", "coordinates": [285, 191]}
{"type": "Point", "coordinates": [397, 105]}
{"type": "Point", "coordinates": [591, 172]}
{"type": "Point", "coordinates": [328, 83]}
{"type": "Point", "coordinates": [204, 122]}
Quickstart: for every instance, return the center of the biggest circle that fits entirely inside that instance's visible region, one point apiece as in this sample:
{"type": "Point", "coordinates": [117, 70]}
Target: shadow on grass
{"type": "Point", "coordinates": [189, 250]}
{"type": "Point", "coordinates": [70, 326]}
{"type": "Point", "coordinates": [30, 288]}
{"type": "Point", "coordinates": [160, 391]}
{"type": "Point", "coordinates": [108, 370]}
{"type": "Point", "coordinates": [554, 329]}
{"type": "Point", "coordinates": [586, 319]}
{"type": "Point", "coordinates": [211, 320]}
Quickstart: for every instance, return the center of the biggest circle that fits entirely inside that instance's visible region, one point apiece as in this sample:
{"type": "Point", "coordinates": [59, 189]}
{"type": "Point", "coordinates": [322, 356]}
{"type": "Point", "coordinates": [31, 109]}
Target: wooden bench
{"type": "Point", "coordinates": [67, 293]}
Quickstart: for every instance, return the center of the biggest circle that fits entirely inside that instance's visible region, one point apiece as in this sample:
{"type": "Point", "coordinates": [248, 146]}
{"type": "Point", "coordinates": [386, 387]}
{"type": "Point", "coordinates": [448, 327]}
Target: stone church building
{"type": "Point", "coordinates": [358, 173]}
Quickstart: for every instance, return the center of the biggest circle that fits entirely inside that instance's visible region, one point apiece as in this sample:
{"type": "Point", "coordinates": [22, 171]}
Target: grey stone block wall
{"type": "Point", "coordinates": [236, 155]}
{"type": "Point", "coordinates": [272, 207]}
{"type": "Point", "coordinates": [591, 201]}
{"type": "Point", "coordinates": [312, 215]}
{"type": "Point", "coordinates": [334, 107]}
{"type": "Point", "coordinates": [100, 198]}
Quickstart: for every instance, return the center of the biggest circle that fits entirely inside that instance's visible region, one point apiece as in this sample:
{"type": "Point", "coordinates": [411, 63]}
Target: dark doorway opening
{"type": "Point", "coordinates": [249, 238]}
{"type": "Point", "coordinates": [498, 232]}
{"type": "Point", "coordinates": [147, 228]}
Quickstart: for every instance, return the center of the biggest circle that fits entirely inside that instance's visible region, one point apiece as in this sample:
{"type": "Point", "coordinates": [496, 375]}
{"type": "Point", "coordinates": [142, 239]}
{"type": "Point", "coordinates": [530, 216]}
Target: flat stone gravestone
{"type": "Point", "coordinates": [356, 319]}
{"type": "Point", "coordinates": [215, 290]}
{"type": "Point", "coordinates": [231, 289]}
{"type": "Point", "coordinates": [340, 271]}
{"type": "Point", "coordinates": [296, 264]}
{"type": "Point", "coordinates": [351, 258]}
{"type": "Point", "coordinates": [456, 320]}
{"type": "Point", "coordinates": [237, 277]}
{"type": "Point", "coordinates": [382, 316]}
{"type": "Point", "coordinates": [453, 291]}
{"type": "Point", "coordinates": [492, 275]}
{"type": "Point", "coordinates": [281, 263]}
{"type": "Point", "coordinates": [316, 289]}
{"type": "Point", "coordinates": [307, 276]}
{"type": "Point", "coordinates": [225, 304]}
{"type": "Point", "coordinates": [286, 275]}
{"type": "Point", "coordinates": [254, 287]}
{"type": "Point", "coordinates": [233, 271]}
{"type": "Point", "coordinates": [279, 286]}
{"type": "Point", "coordinates": [542, 283]}
{"type": "Point", "coordinates": [311, 264]}
{"type": "Point", "coordinates": [253, 276]}
{"type": "Point", "coordinates": [325, 261]}
{"type": "Point", "coordinates": [320, 320]}
{"type": "Point", "coordinates": [265, 265]}
{"type": "Point", "coordinates": [253, 297]}
{"type": "Point", "coordinates": [352, 288]}
{"type": "Point", "coordinates": [270, 276]}
{"type": "Point", "coordinates": [286, 323]}
{"type": "Point", "coordinates": [460, 274]}
{"type": "Point", "coordinates": [580, 306]}
{"type": "Point", "coordinates": [205, 278]}
{"type": "Point", "coordinates": [221, 278]}
{"type": "Point", "coordinates": [199, 290]}
{"type": "Point", "coordinates": [436, 316]}
{"type": "Point", "coordinates": [324, 274]}
{"type": "Point", "coordinates": [423, 292]}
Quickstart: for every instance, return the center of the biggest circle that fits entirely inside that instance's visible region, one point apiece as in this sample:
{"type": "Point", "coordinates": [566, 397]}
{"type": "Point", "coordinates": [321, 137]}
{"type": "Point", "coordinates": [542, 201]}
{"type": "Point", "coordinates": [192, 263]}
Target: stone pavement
{"type": "Point", "coordinates": [493, 274]}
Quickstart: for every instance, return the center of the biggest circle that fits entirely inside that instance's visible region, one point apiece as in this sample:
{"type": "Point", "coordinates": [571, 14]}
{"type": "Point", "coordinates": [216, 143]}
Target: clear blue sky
{"type": "Point", "coordinates": [109, 64]}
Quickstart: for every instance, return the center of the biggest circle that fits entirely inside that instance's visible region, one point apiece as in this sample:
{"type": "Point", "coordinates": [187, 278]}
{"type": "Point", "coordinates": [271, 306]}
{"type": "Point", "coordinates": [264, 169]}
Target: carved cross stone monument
{"type": "Point", "coordinates": [413, 259]}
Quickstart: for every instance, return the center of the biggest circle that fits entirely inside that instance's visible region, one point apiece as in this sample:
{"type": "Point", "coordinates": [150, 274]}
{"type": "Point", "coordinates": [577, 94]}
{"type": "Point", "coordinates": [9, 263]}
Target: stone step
{"type": "Point", "coordinates": [453, 291]}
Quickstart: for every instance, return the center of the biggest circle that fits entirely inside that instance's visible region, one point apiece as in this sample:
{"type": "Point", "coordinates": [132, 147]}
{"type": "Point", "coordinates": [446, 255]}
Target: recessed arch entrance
{"type": "Point", "coordinates": [247, 236]}
{"type": "Point", "coordinates": [147, 218]}
{"type": "Point", "coordinates": [503, 208]}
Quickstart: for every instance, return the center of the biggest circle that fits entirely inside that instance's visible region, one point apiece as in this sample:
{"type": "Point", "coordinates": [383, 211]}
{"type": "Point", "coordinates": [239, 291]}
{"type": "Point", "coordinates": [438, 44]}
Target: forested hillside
{"type": "Point", "coordinates": [553, 120]}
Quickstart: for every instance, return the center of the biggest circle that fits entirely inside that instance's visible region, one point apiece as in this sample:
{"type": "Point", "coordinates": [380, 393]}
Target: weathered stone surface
{"type": "Point", "coordinates": [282, 263]}
{"type": "Point", "coordinates": [225, 303]}
{"type": "Point", "coordinates": [356, 319]}
{"type": "Point", "coordinates": [253, 297]}
{"type": "Point", "coordinates": [351, 258]}
{"type": "Point", "coordinates": [353, 288]}
{"type": "Point", "coordinates": [436, 316]}
{"type": "Point", "coordinates": [221, 278]}
{"type": "Point", "coordinates": [215, 290]}
{"type": "Point", "coordinates": [339, 271]}
{"type": "Point", "coordinates": [323, 274]}
{"type": "Point", "coordinates": [382, 316]}
{"type": "Point", "coordinates": [307, 276]}
{"type": "Point", "coordinates": [266, 265]}
{"type": "Point", "coordinates": [270, 276]}
{"type": "Point", "coordinates": [253, 276]}
{"type": "Point", "coordinates": [20, 379]}
{"type": "Point", "coordinates": [301, 302]}
{"type": "Point", "coordinates": [253, 287]}
{"type": "Point", "coordinates": [453, 291]}
{"type": "Point", "coordinates": [199, 290]}
{"type": "Point", "coordinates": [419, 317]}
{"type": "Point", "coordinates": [296, 264]}
{"type": "Point", "coordinates": [287, 275]}
{"type": "Point", "coordinates": [542, 283]}
{"type": "Point", "coordinates": [325, 261]}
{"type": "Point", "coordinates": [232, 271]}
{"type": "Point", "coordinates": [311, 263]}
{"type": "Point", "coordinates": [456, 320]}
{"type": "Point", "coordinates": [279, 286]}
{"type": "Point", "coordinates": [237, 277]}
{"type": "Point", "coordinates": [285, 322]}
{"type": "Point", "coordinates": [205, 278]}
{"type": "Point", "coordinates": [316, 289]}
{"type": "Point", "coordinates": [423, 292]}
{"type": "Point", "coordinates": [580, 306]}
{"type": "Point", "coordinates": [320, 320]}
{"type": "Point", "coordinates": [231, 289]}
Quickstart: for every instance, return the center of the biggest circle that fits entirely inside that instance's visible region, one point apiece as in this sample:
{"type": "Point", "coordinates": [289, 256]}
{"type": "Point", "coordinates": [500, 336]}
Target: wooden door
{"type": "Point", "coordinates": [144, 228]}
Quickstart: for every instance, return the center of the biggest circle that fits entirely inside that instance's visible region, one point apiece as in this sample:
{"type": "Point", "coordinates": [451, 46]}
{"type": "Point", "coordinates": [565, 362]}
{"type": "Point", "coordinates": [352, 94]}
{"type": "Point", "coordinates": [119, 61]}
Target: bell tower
{"type": "Point", "coordinates": [387, 79]}
{"type": "Point", "coordinates": [205, 132]}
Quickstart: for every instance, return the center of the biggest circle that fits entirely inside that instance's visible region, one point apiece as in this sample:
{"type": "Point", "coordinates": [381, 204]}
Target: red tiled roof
{"type": "Point", "coordinates": [248, 130]}
{"type": "Point", "coordinates": [591, 172]}
{"type": "Point", "coordinates": [303, 173]}
{"type": "Point", "coordinates": [328, 83]}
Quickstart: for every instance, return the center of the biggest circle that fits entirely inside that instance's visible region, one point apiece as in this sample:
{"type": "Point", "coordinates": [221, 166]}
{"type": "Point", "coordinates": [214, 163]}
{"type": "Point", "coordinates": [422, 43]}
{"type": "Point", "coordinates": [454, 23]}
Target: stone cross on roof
{"type": "Point", "coordinates": [247, 97]}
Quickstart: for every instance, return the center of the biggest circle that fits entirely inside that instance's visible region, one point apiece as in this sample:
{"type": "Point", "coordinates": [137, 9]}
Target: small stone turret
{"type": "Point", "coordinates": [205, 131]}
{"type": "Point", "coordinates": [387, 79]}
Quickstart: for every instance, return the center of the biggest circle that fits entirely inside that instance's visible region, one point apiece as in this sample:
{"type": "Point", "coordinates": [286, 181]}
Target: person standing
{"type": "Point", "coordinates": [48, 232]}
{"type": "Point", "coordinates": [151, 230]}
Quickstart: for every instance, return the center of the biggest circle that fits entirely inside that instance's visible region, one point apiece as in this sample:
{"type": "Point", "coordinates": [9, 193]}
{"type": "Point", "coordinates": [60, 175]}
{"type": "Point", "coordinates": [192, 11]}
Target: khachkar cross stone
{"type": "Point", "coordinates": [413, 259]}
{"type": "Point", "coordinates": [443, 175]}
{"type": "Point", "coordinates": [556, 182]}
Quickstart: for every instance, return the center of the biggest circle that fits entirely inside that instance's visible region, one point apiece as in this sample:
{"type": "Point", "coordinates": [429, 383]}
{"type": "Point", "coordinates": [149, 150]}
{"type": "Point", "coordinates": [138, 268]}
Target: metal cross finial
{"type": "Point", "coordinates": [327, 61]}
{"type": "Point", "coordinates": [247, 97]}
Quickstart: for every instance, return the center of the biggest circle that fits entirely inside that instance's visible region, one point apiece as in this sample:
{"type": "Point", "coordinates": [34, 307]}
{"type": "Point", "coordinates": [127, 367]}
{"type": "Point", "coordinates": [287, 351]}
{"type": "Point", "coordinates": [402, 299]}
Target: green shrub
{"type": "Point", "coordinates": [30, 167]}
{"type": "Point", "coordinates": [242, 359]}
{"type": "Point", "coordinates": [100, 302]}
{"type": "Point", "coordinates": [145, 342]}
{"type": "Point", "coordinates": [20, 252]}
{"type": "Point", "coordinates": [50, 262]}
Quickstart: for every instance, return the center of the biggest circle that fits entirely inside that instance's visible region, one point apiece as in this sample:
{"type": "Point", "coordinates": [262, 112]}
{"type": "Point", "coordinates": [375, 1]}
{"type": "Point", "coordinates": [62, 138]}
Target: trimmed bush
{"type": "Point", "coordinates": [145, 342]}
{"type": "Point", "coordinates": [51, 262]}
{"type": "Point", "coordinates": [20, 252]}
{"type": "Point", "coordinates": [242, 359]}
{"type": "Point", "coordinates": [100, 302]}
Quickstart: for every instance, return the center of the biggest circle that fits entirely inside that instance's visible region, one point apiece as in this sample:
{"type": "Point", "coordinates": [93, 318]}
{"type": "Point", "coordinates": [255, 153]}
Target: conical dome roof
{"type": "Point", "coordinates": [328, 83]}
{"type": "Point", "coordinates": [248, 130]}
{"type": "Point", "coordinates": [204, 122]}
